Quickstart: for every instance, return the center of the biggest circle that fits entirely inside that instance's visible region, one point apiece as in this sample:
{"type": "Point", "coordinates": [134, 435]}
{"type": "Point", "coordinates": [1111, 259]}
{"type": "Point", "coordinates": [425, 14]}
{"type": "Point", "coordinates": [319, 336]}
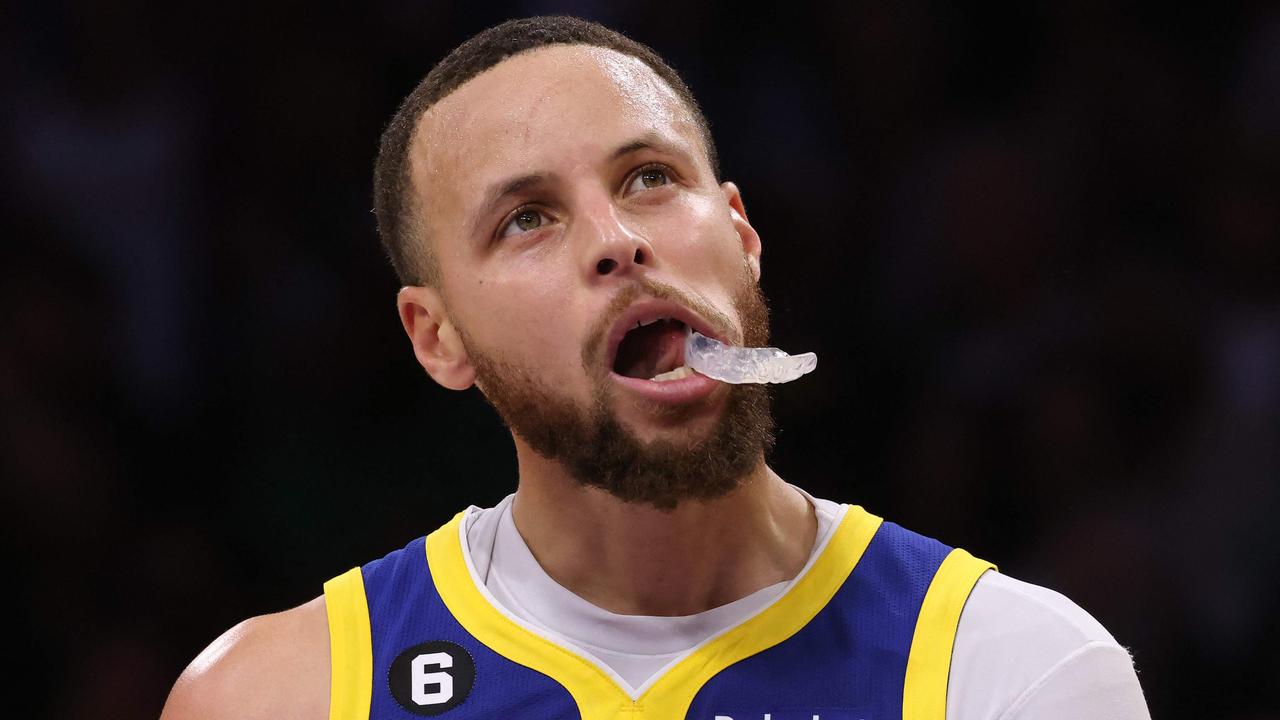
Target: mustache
{"type": "Point", "coordinates": [593, 348]}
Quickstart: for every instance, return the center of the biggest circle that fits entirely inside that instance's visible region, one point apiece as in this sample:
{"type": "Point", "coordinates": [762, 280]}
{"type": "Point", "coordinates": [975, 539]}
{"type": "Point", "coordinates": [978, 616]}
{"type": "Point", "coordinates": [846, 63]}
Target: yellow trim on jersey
{"type": "Point", "coordinates": [350, 647]}
{"type": "Point", "coordinates": [672, 694]}
{"type": "Point", "coordinates": [598, 696]}
{"type": "Point", "coordinates": [924, 693]}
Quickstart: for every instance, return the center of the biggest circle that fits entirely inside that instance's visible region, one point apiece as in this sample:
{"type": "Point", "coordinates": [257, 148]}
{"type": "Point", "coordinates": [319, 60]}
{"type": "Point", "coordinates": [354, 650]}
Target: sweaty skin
{"type": "Point", "coordinates": [271, 666]}
{"type": "Point", "coordinates": [574, 124]}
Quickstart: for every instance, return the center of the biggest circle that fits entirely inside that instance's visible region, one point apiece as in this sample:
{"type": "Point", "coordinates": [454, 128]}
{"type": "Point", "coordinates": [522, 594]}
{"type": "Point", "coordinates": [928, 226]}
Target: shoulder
{"type": "Point", "coordinates": [272, 666]}
{"type": "Point", "coordinates": [1020, 646]}
{"type": "Point", "coordinates": [1002, 606]}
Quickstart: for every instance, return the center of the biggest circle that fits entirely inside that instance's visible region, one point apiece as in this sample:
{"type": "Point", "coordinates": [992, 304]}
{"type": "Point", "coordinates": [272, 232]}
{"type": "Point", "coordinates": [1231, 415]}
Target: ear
{"type": "Point", "coordinates": [738, 215]}
{"type": "Point", "coordinates": [436, 342]}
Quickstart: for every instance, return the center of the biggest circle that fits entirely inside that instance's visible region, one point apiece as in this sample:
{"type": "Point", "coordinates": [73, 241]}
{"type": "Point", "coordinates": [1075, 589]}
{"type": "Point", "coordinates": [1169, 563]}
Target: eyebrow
{"type": "Point", "coordinates": [500, 191]}
{"type": "Point", "coordinates": [648, 141]}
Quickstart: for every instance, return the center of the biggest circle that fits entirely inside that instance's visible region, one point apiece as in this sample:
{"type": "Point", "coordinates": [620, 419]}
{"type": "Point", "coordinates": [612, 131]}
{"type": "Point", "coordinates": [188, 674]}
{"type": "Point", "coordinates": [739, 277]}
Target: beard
{"type": "Point", "coordinates": [594, 447]}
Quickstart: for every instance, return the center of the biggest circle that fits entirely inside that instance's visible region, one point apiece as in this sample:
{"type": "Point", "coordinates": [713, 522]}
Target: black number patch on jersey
{"type": "Point", "coordinates": [432, 677]}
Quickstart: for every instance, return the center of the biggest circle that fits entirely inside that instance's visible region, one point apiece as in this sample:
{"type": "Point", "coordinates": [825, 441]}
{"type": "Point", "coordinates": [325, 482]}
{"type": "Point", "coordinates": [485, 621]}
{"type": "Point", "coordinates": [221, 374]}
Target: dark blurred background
{"type": "Point", "coordinates": [1035, 245]}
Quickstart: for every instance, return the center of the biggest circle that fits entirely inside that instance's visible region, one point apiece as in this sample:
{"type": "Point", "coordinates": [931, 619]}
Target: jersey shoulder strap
{"type": "Point", "coordinates": [350, 647]}
{"type": "Point", "coordinates": [398, 650]}
{"type": "Point", "coordinates": [924, 692]}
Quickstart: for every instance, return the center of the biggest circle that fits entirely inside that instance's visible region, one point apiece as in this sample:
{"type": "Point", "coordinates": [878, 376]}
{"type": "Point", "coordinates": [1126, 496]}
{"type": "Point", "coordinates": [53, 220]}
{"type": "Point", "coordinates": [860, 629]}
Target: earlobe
{"type": "Point", "coordinates": [436, 341]}
{"type": "Point", "coordinates": [751, 246]}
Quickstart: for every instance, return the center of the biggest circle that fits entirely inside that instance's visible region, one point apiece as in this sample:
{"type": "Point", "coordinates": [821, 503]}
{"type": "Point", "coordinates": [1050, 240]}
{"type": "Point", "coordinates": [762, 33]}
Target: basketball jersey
{"type": "Point", "coordinates": [865, 633]}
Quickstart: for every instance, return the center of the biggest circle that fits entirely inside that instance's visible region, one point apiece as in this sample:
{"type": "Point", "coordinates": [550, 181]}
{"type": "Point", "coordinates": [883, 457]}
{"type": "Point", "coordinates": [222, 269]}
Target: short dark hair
{"type": "Point", "coordinates": [392, 180]}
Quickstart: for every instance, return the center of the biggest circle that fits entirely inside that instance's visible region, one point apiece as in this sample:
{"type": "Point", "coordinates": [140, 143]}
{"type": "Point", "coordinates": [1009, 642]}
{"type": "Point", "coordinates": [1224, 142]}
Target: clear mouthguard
{"type": "Point", "coordinates": [739, 365]}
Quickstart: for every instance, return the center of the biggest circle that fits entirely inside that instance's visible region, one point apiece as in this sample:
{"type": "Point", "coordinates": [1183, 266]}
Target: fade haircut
{"type": "Point", "coordinates": [400, 225]}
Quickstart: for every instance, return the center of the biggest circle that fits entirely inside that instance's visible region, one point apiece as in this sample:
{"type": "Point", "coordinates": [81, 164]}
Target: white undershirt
{"type": "Point", "coordinates": [1021, 651]}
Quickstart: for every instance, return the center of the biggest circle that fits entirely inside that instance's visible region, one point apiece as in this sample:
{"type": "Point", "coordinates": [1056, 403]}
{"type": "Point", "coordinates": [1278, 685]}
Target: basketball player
{"type": "Point", "coordinates": [550, 198]}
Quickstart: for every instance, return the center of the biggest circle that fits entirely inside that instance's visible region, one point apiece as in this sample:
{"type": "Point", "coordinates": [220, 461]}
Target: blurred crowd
{"type": "Point", "coordinates": [1036, 247]}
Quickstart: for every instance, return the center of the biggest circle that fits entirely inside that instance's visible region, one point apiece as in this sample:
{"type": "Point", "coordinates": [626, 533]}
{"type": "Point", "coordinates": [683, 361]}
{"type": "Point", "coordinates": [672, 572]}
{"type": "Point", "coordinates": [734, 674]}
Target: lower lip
{"type": "Point", "coordinates": [685, 390]}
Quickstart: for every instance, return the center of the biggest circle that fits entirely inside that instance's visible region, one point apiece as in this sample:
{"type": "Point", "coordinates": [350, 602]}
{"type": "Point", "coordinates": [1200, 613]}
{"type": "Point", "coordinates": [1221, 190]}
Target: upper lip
{"type": "Point", "coordinates": [644, 311]}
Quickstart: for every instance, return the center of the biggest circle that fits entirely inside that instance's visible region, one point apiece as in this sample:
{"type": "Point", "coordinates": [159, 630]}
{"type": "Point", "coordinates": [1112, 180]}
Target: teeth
{"type": "Point", "coordinates": [681, 372]}
{"type": "Point", "coordinates": [642, 324]}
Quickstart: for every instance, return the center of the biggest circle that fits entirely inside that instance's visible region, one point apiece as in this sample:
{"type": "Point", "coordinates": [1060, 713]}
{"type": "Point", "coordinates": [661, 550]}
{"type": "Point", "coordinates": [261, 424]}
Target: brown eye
{"type": "Point", "coordinates": [649, 178]}
{"type": "Point", "coordinates": [523, 221]}
{"type": "Point", "coordinates": [653, 178]}
{"type": "Point", "coordinates": [528, 220]}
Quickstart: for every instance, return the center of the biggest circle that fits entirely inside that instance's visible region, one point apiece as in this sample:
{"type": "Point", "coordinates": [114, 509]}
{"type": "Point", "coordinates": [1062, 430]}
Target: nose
{"type": "Point", "coordinates": [608, 265]}
{"type": "Point", "coordinates": [610, 247]}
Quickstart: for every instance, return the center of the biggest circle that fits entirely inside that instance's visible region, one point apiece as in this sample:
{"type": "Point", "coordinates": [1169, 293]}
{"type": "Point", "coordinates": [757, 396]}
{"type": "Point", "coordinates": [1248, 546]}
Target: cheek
{"type": "Point", "coordinates": [529, 325]}
{"type": "Point", "coordinates": [701, 240]}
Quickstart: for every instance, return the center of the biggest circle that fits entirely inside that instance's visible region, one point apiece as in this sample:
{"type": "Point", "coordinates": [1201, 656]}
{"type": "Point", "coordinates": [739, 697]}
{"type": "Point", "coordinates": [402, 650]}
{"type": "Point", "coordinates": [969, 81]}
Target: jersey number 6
{"type": "Point", "coordinates": [422, 680]}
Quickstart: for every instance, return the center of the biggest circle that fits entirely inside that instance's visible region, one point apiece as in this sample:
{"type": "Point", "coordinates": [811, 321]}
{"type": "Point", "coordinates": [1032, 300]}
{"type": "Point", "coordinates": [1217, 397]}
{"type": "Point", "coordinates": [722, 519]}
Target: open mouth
{"type": "Point", "coordinates": [653, 350]}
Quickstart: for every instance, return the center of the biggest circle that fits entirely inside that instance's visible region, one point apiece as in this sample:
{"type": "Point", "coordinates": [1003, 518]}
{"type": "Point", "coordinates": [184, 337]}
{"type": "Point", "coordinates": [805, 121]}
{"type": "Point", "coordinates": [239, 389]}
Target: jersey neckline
{"type": "Point", "coordinates": [600, 692]}
{"type": "Point", "coordinates": [520, 585]}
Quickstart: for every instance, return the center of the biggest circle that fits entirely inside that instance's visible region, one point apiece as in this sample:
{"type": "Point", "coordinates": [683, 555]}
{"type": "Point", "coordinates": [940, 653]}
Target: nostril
{"type": "Point", "coordinates": [606, 266]}
{"type": "Point", "coordinates": [639, 258]}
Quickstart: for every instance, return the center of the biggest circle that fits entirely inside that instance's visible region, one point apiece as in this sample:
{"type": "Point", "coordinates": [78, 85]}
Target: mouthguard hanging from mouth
{"type": "Point", "coordinates": [740, 365]}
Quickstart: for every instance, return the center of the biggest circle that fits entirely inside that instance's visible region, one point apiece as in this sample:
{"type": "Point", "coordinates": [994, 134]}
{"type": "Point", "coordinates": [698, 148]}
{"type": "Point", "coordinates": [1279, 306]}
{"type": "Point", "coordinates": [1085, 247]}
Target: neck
{"type": "Point", "coordinates": [635, 559]}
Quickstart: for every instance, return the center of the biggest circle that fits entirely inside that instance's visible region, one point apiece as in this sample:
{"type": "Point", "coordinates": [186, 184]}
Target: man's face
{"type": "Point", "coordinates": [566, 193]}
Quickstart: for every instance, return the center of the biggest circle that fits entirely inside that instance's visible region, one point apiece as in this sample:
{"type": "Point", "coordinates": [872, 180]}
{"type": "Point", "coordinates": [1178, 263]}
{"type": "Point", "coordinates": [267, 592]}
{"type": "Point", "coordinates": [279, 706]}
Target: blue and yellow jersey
{"type": "Point", "coordinates": [864, 634]}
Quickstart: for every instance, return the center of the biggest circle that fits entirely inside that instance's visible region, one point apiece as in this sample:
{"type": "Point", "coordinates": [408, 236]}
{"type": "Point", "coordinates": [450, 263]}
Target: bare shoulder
{"type": "Point", "coordinates": [272, 666]}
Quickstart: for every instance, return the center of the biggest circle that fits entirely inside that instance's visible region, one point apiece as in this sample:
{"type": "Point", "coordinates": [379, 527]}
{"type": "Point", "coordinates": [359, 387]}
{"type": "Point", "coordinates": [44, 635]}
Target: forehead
{"type": "Point", "coordinates": [543, 111]}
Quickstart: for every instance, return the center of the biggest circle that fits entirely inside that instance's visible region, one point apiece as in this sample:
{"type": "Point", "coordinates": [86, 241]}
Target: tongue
{"type": "Point", "coordinates": [651, 350]}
